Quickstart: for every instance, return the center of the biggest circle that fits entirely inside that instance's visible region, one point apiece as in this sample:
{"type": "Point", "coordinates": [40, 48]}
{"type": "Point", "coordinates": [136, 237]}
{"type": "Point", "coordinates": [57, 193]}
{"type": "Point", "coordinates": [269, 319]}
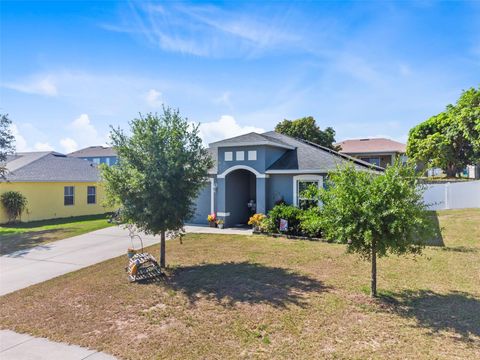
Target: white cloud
{"type": "Point", "coordinates": [225, 127]}
{"type": "Point", "coordinates": [83, 125]}
{"type": "Point", "coordinates": [116, 95]}
{"type": "Point", "coordinates": [154, 98]}
{"type": "Point", "coordinates": [20, 142]}
{"type": "Point", "coordinates": [206, 30]}
{"type": "Point", "coordinates": [81, 133]}
{"type": "Point", "coordinates": [84, 132]}
{"type": "Point", "coordinates": [39, 85]}
{"type": "Point", "coordinates": [69, 145]}
{"type": "Point", "coordinates": [43, 146]}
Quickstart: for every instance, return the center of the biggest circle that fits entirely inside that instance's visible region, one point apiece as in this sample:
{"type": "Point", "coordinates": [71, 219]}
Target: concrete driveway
{"type": "Point", "coordinates": [27, 267]}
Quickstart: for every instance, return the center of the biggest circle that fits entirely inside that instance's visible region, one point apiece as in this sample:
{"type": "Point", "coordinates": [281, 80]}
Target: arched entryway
{"type": "Point", "coordinates": [240, 196]}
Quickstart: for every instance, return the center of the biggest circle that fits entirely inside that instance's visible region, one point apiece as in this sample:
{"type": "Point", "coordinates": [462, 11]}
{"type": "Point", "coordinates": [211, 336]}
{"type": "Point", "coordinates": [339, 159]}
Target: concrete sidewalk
{"type": "Point", "coordinates": [28, 267]}
{"type": "Point", "coordinates": [15, 346]}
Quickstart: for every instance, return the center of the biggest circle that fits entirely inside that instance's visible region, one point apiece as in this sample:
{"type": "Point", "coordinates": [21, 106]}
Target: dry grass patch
{"type": "Point", "coordinates": [229, 296]}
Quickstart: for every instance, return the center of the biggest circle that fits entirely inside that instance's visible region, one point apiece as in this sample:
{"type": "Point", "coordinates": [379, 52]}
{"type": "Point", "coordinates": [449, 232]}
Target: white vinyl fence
{"type": "Point", "coordinates": [459, 195]}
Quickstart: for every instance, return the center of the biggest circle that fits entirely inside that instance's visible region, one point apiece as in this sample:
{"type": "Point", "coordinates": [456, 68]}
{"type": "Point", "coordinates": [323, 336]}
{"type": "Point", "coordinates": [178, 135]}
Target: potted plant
{"type": "Point", "coordinates": [220, 223]}
{"type": "Point", "coordinates": [212, 220]}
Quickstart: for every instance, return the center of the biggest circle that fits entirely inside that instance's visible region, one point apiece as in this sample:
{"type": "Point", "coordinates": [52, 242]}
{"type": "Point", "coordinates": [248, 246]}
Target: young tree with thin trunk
{"type": "Point", "coordinates": [376, 214]}
{"type": "Point", "coordinates": [162, 167]}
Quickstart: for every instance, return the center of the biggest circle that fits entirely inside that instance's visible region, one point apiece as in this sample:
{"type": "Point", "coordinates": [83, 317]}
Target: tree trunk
{"type": "Point", "coordinates": [373, 290]}
{"type": "Point", "coordinates": [451, 170]}
{"type": "Point", "coordinates": [162, 249]}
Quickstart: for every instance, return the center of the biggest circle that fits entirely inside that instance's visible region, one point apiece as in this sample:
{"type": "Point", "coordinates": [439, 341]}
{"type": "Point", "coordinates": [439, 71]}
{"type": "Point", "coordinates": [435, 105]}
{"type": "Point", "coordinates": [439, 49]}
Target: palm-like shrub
{"type": "Point", "coordinates": [14, 203]}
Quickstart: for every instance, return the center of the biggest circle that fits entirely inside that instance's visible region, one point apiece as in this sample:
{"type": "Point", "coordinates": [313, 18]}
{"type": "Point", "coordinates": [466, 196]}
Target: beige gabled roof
{"type": "Point", "coordinates": [371, 145]}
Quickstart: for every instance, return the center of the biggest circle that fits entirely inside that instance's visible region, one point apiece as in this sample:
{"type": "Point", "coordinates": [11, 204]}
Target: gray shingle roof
{"type": "Point", "coordinates": [94, 151]}
{"type": "Point", "coordinates": [252, 139]}
{"type": "Point", "coordinates": [309, 156]}
{"type": "Point", "coordinates": [50, 167]}
{"type": "Point", "coordinates": [18, 160]}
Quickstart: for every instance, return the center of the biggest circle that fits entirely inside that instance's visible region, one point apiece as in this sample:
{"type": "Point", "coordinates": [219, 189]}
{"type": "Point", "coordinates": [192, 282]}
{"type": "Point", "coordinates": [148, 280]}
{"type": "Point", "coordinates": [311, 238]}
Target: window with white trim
{"type": "Point", "coordinates": [68, 195]}
{"type": "Point", "coordinates": [91, 194]}
{"type": "Point", "coordinates": [240, 155]}
{"type": "Point", "coordinates": [302, 183]}
{"type": "Point", "coordinates": [252, 155]}
{"type": "Point", "coordinates": [228, 156]}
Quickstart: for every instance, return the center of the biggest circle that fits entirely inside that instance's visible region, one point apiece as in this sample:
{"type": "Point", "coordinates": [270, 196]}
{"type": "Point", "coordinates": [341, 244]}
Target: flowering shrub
{"type": "Point", "coordinates": [212, 217]}
{"type": "Point", "coordinates": [256, 220]}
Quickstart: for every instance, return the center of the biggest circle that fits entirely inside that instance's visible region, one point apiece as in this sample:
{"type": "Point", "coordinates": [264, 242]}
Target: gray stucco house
{"type": "Point", "coordinates": [254, 171]}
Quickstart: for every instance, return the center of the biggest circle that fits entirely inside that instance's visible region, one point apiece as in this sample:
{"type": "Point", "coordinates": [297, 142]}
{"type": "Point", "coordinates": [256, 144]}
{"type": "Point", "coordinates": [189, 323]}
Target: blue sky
{"type": "Point", "coordinates": [70, 69]}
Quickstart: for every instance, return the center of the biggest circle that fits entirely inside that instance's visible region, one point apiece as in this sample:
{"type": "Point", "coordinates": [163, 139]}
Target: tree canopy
{"type": "Point", "coordinates": [467, 112]}
{"type": "Point", "coordinates": [7, 142]}
{"type": "Point", "coordinates": [162, 167]}
{"type": "Point", "coordinates": [451, 139]}
{"type": "Point", "coordinates": [376, 215]}
{"type": "Point", "coordinates": [306, 128]}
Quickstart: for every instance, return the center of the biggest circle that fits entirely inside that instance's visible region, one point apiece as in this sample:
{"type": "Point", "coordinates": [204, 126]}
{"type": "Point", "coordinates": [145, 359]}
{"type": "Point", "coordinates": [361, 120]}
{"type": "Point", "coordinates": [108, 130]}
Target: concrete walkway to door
{"type": "Point", "coordinates": [28, 267]}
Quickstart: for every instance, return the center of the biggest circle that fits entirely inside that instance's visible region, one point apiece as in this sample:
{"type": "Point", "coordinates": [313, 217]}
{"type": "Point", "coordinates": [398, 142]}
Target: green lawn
{"type": "Point", "coordinates": [26, 235]}
{"type": "Point", "coordinates": [257, 297]}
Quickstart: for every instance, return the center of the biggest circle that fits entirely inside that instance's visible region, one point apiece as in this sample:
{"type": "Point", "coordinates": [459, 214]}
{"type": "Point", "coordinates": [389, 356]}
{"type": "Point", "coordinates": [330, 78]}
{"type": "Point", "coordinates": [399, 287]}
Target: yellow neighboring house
{"type": "Point", "coordinates": [55, 185]}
